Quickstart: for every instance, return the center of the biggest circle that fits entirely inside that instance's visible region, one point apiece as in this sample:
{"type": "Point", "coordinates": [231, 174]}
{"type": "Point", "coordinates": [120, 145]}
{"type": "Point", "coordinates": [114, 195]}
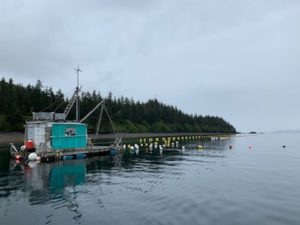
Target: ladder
{"type": "Point", "coordinates": [72, 101]}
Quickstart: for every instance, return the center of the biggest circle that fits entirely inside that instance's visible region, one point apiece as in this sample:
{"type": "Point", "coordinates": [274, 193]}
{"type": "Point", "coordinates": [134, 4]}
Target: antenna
{"type": "Point", "coordinates": [77, 70]}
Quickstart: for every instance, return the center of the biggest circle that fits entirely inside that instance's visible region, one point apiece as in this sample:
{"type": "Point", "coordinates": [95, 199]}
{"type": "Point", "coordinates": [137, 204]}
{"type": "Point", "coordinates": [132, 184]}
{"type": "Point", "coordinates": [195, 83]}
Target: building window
{"type": "Point", "coordinates": [70, 131]}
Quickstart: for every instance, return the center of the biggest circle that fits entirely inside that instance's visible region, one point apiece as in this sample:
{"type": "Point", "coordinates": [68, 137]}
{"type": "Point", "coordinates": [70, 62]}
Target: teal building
{"type": "Point", "coordinates": [66, 136]}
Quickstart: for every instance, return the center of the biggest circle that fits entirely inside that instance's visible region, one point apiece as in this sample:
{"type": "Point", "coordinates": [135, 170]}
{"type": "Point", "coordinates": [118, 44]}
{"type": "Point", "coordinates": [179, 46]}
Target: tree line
{"type": "Point", "coordinates": [17, 102]}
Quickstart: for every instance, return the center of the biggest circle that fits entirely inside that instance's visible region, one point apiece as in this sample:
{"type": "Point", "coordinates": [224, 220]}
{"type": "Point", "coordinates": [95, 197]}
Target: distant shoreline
{"type": "Point", "coordinates": [8, 137]}
{"type": "Point", "coordinates": [18, 137]}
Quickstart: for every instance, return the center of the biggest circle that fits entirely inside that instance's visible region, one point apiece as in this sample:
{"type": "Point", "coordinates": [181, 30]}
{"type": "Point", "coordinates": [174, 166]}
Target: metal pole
{"type": "Point", "coordinates": [77, 98]}
{"type": "Point", "coordinates": [77, 90]}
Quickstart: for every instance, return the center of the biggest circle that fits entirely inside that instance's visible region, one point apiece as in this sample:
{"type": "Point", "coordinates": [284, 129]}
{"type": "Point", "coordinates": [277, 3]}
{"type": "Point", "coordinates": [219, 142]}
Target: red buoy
{"type": "Point", "coordinates": [18, 157]}
{"type": "Point", "coordinates": [29, 144]}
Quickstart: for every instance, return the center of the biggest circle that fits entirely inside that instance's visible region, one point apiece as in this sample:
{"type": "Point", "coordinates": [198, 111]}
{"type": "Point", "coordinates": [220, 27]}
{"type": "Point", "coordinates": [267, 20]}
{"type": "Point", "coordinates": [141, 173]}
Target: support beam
{"type": "Point", "coordinates": [99, 120]}
{"type": "Point", "coordinates": [93, 110]}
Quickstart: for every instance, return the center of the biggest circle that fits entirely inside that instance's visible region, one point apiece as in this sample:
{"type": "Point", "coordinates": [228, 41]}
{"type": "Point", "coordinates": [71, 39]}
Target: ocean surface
{"type": "Point", "coordinates": [257, 181]}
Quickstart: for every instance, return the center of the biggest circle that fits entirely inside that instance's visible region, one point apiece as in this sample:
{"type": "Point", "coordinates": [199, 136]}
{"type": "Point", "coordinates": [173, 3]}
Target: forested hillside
{"type": "Point", "coordinates": [17, 102]}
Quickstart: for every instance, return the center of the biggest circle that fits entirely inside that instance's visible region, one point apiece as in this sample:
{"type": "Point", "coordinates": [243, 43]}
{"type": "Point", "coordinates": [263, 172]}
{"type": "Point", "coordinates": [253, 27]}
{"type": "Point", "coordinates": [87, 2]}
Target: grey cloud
{"type": "Point", "coordinates": [227, 54]}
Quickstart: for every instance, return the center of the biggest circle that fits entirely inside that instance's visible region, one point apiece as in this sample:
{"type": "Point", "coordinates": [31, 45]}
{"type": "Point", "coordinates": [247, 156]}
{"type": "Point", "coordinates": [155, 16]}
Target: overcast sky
{"type": "Point", "coordinates": [238, 59]}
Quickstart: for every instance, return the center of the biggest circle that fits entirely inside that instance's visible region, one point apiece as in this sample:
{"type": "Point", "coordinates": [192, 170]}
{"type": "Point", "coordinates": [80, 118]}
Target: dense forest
{"type": "Point", "coordinates": [18, 101]}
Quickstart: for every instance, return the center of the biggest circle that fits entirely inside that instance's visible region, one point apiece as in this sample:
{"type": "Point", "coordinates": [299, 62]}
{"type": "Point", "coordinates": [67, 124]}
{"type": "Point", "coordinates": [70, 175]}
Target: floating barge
{"type": "Point", "coordinates": [49, 136]}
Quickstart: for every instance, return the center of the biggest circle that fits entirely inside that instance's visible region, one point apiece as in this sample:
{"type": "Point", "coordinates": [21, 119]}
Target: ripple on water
{"type": "Point", "coordinates": [212, 186]}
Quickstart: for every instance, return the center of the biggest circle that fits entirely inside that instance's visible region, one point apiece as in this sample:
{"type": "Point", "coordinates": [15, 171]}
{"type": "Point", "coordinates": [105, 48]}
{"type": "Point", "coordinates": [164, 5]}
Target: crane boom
{"type": "Point", "coordinates": [93, 110]}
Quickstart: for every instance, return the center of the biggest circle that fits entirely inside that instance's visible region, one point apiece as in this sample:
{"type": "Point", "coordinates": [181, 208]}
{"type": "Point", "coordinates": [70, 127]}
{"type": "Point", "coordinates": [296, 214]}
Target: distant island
{"type": "Point", "coordinates": [288, 131]}
{"type": "Point", "coordinates": [17, 102]}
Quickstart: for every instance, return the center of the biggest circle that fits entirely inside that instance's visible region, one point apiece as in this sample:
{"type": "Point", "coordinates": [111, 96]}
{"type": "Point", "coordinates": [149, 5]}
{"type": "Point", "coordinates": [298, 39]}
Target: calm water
{"type": "Point", "coordinates": [215, 186]}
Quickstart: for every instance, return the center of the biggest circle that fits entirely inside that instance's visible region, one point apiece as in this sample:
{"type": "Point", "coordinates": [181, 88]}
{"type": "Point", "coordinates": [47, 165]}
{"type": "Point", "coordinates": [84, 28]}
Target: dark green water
{"type": "Point", "coordinates": [216, 185]}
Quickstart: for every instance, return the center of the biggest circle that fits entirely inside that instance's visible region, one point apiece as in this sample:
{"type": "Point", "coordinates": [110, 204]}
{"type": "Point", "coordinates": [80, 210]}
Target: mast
{"type": "Point", "coordinates": [77, 90]}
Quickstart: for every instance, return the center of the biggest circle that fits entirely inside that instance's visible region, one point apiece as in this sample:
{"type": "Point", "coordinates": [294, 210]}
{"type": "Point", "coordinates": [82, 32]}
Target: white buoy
{"type": "Point", "coordinates": [124, 146]}
{"type": "Point", "coordinates": [32, 156]}
{"type": "Point", "coordinates": [23, 147]}
{"type": "Point", "coordinates": [151, 147]}
{"type": "Point", "coordinates": [137, 148]}
{"type": "Point", "coordinates": [183, 149]}
{"type": "Point", "coordinates": [160, 150]}
{"type": "Point", "coordinates": [131, 149]}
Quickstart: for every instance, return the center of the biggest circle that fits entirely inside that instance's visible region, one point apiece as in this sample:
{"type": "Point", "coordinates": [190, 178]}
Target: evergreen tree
{"type": "Point", "coordinates": [17, 102]}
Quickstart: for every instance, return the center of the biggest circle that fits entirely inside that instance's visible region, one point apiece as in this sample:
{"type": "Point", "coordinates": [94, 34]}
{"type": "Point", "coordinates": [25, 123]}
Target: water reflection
{"type": "Point", "coordinates": [70, 185]}
{"type": "Point", "coordinates": [44, 179]}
